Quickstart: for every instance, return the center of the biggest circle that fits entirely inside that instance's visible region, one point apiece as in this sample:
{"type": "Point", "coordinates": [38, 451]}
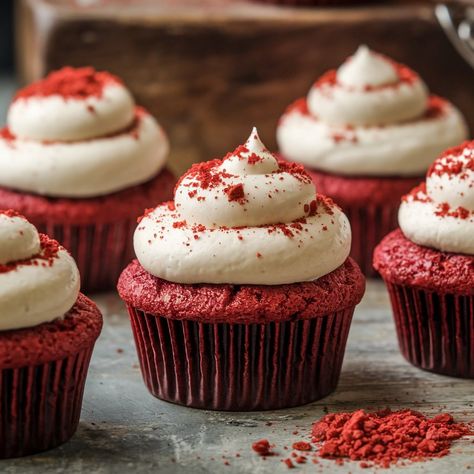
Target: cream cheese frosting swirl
{"type": "Point", "coordinates": [440, 212]}
{"type": "Point", "coordinates": [370, 117]}
{"type": "Point", "coordinates": [77, 133]}
{"type": "Point", "coordinates": [39, 280]}
{"type": "Point", "coordinates": [246, 219]}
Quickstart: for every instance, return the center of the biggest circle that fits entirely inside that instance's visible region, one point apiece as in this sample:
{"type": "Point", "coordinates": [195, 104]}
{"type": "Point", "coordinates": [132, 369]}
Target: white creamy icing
{"type": "Point", "coordinates": [80, 147]}
{"type": "Point", "coordinates": [85, 168]}
{"type": "Point", "coordinates": [405, 149]}
{"type": "Point", "coordinates": [54, 118]}
{"type": "Point", "coordinates": [380, 110]}
{"type": "Point", "coordinates": [442, 215]}
{"type": "Point", "coordinates": [34, 290]}
{"type": "Point", "coordinates": [258, 222]}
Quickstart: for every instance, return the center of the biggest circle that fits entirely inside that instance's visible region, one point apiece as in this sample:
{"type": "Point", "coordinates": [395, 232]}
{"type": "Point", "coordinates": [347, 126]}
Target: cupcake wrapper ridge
{"type": "Point", "coordinates": [239, 367]}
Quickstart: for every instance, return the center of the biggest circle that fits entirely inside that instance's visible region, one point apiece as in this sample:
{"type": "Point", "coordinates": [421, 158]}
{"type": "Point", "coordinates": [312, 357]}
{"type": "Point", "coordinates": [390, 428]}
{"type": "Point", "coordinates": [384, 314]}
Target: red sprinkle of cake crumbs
{"type": "Point", "coordinates": [385, 437]}
{"type": "Point", "coordinates": [49, 251]}
{"type": "Point", "coordinates": [70, 83]}
{"type": "Point", "coordinates": [262, 448]}
{"type": "Point", "coordinates": [450, 163]}
{"type": "Point", "coordinates": [375, 439]}
{"type": "Point", "coordinates": [445, 211]}
{"type": "Point", "coordinates": [235, 193]}
{"type": "Point", "coordinates": [6, 135]}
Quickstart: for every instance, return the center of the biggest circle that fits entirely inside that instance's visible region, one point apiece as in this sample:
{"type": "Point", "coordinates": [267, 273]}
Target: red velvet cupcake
{"type": "Point", "coordinates": [242, 295]}
{"type": "Point", "coordinates": [81, 160]}
{"type": "Point", "coordinates": [428, 267]}
{"type": "Point", "coordinates": [47, 333]}
{"type": "Point", "coordinates": [367, 132]}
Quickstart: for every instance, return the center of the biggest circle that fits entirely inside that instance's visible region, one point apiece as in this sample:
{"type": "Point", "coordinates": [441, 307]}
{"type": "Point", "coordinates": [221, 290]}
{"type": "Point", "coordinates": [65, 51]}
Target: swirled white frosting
{"type": "Point", "coordinates": [440, 213]}
{"type": "Point", "coordinates": [247, 219]}
{"type": "Point", "coordinates": [371, 117]}
{"type": "Point", "coordinates": [35, 287]}
{"type": "Point", "coordinates": [80, 146]}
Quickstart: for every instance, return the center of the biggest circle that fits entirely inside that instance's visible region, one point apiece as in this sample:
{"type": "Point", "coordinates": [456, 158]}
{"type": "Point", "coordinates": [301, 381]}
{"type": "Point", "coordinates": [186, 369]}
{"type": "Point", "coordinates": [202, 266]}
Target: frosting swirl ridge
{"type": "Point", "coordinates": [39, 280]}
{"type": "Point", "coordinates": [440, 212]}
{"type": "Point", "coordinates": [372, 116]}
{"type": "Point", "coordinates": [246, 219]}
{"type": "Point", "coordinates": [78, 133]}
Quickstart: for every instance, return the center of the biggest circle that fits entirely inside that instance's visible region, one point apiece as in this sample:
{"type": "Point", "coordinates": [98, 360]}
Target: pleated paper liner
{"type": "Point", "coordinates": [40, 405]}
{"type": "Point", "coordinates": [101, 251]}
{"type": "Point", "coordinates": [435, 331]}
{"type": "Point", "coordinates": [240, 367]}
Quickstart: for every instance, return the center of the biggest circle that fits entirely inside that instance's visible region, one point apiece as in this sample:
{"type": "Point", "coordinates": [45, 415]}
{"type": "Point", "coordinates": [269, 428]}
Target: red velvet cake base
{"type": "Point", "coordinates": [97, 231]}
{"type": "Point", "coordinates": [432, 295]}
{"type": "Point", "coordinates": [241, 347]}
{"type": "Point", "coordinates": [370, 203]}
{"type": "Point", "coordinates": [42, 376]}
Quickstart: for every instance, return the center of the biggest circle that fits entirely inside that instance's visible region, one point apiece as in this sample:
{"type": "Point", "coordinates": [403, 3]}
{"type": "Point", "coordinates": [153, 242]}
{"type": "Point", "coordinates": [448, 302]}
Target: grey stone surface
{"type": "Point", "coordinates": [124, 429]}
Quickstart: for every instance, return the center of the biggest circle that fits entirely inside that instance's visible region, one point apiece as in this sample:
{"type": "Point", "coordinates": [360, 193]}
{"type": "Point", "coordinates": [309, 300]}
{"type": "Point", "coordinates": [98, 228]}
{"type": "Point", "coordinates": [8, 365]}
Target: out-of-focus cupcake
{"type": "Point", "coordinates": [428, 267]}
{"type": "Point", "coordinates": [242, 294]}
{"type": "Point", "coordinates": [313, 3]}
{"type": "Point", "coordinates": [47, 334]}
{"type": "Point", "coordinates": [367, 133]}
{"type": "Point", "coordinates": [80, 160]}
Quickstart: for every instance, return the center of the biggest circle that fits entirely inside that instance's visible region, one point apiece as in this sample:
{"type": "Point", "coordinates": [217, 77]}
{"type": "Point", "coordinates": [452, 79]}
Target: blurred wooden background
{"type": "Point", "coordinates": [211, 69]}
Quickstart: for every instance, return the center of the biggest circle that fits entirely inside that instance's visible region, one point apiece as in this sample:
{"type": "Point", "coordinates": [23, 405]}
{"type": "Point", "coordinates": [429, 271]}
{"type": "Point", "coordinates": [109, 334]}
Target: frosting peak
{"type": "Point", "coordinates": [39, 280]}
{"type": "Point", "coordinates": [247, 188]}
{"type": "Point", "coordinates": [246, 219]}
{"type": "Point", "coordinates": [440, 212]}
{"type": "Point", "coordinates": [367, 69]}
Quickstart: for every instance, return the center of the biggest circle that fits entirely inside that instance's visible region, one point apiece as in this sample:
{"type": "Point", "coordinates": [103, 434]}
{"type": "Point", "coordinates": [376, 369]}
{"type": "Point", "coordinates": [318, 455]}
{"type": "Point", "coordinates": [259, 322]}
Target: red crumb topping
{"type": "Point", "coordinates": [70, 83]}
{"type": "Point", "coordinates": [450, 161]}
{"type": "Point", "coordinates": [299, 105]}
{"type": "Point", "coordinates": [49, 251]}
{"type": "Point", "coordinates": [296, 170]}
{"type": "Point", "coordinates": [385, 437]}
{"type": "Point", "coordinates": [235, 193]}
{"type": "Point", "coordinates": [444, 210]}
{"type": "Point", "coordinates": [435, 108]}
{"type": "Point", "coordinates": [302, 446]}
{"type": "Point", "coordinates": [405, 75]}
{"type": "Point", "coordinates": [6, 135]}
{"type": "Point", "coordinates": [262, 447]}
{"type": "Point", "coordinates": [12, 213]}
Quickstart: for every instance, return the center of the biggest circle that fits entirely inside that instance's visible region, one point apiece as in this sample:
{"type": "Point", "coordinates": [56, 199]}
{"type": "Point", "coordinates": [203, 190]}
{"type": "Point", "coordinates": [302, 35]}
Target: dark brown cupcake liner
{"type": "Point", "coordinates": [240, 367]}
{"type": "Point", "coordinates": [101, 251]}
{"type": "Point", "coordinates": [435, 331]}
{"type": "Point", "coordinates": [41, 405]}
{"type": "Point", "coordinates": [369, 225]}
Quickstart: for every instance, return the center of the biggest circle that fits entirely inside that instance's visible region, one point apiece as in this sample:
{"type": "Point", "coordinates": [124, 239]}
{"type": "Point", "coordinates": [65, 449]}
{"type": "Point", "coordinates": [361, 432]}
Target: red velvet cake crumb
{"type": "Point", "coordinates": [70, 83]}
{"type": "Point", "coordinates": [212, 303]}
{"type": "Point", "coordinates": [403, 262]}
{"type": "Point", "coordinates": [262, 447]}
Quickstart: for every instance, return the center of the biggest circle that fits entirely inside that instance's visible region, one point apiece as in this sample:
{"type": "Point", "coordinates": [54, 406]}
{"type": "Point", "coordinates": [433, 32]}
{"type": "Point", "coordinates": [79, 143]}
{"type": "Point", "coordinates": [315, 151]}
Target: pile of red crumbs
{"type": "Point", "coordinates": [380, 438]}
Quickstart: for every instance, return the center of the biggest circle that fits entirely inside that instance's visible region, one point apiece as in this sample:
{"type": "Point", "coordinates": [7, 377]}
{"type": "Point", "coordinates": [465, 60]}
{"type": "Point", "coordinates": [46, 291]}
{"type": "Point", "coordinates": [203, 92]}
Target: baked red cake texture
{"type": "Point", "coordinates": [243, 304]}
{"type": "Point", "coordinates": [403, 262]}
{"type": "Point", "coordinates": [56, 340]}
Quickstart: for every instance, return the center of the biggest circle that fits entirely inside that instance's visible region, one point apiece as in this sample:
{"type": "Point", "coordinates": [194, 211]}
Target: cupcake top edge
{"type": "Point", "coordinates": [370, 117]}
{"type": "Point", "coordinates": [78, 133]}
{"type": "Point", "coordinates": [39, 280]}
{"type": "Point", "coordinates": [245, 219]}
{"type": "Point", "coordinates": [440, 212]}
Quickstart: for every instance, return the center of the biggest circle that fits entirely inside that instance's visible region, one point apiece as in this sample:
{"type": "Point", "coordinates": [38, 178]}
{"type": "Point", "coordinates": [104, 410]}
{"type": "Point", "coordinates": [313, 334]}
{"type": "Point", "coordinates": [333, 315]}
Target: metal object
{"type": "Point", "coordinates": [458, 23]}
